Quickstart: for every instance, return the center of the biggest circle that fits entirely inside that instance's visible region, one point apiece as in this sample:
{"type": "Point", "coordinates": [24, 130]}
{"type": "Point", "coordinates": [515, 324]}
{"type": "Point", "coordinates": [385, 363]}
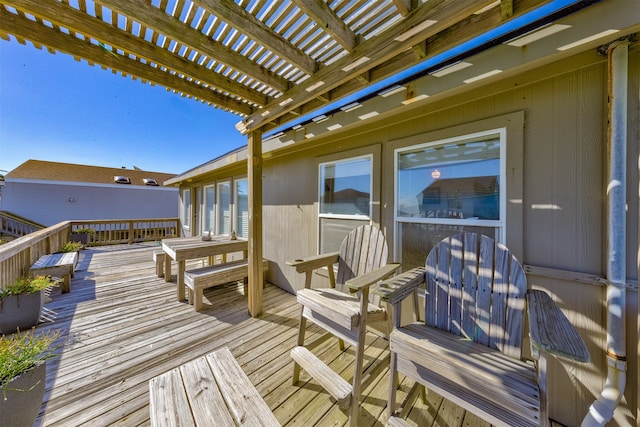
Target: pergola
{"type": "Point", "coordinates": [269, 62]}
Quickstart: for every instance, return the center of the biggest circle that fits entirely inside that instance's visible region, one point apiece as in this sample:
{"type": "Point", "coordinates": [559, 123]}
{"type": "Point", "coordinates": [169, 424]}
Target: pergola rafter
{"type": "Point", "coordinates": [267, 61]}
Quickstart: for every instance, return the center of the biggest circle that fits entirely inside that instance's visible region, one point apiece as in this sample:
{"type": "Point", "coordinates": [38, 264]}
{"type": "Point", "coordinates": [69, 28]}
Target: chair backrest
{"type": "Point", "coordinates": [476, 288]}
{"type": "Point", "coordinates": [363, 250]}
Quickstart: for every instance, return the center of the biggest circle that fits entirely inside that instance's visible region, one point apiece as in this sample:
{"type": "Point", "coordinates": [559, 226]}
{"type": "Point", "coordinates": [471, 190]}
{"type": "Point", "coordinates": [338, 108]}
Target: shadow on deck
{"type": "Point", "coordinates": [121, 326]}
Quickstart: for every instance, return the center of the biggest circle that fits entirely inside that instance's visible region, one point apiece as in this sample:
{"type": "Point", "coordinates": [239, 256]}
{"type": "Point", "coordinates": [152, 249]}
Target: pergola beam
{"type": "Point", "coordinates": [432, 17]}
{"type": "Point", "coordinates": [327, 19]}
{"type": "Point", "coordinates": [247, 23]}
{"type": "Point", "coordinates": [174, 29]}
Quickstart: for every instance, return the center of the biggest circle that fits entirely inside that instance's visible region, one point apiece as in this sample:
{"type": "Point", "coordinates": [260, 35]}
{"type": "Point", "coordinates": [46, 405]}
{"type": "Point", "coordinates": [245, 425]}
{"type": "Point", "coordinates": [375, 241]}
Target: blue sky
{"type": "Point", "coordinates": [57, 109]}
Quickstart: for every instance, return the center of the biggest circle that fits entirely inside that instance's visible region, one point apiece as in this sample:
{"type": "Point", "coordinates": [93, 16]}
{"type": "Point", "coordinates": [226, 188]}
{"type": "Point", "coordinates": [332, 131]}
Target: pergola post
{"type": "Point", "coordinates": [254, 175]}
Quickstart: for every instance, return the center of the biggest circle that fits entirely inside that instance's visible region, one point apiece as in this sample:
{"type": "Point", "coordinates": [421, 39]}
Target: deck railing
{"type": "Point", "coordinates": [18, 255]}
{"type": "Point", "coordinates": [16, 226]}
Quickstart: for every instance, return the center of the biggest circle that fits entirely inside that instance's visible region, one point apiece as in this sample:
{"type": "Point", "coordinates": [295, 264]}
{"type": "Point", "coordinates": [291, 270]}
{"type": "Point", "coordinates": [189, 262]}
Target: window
{"type": "Point", "coordinates": [448, 186]}
{"type": "Point", "coordinates": [224, 208]}
{"type": "Point", "coordinates": [185, 216]}
{"type": "Point", "coordinates": [241, 223]}
{"type": "Point", "coordinates": [209, 208]}
{"type": "Point", "coordinates": [345, 189]}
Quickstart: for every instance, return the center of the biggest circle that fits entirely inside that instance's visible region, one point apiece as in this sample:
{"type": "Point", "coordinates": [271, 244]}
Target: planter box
{"type": "Point", "coordinates": [79, 237]}
{"type": "Point", "coordinates": [20, 311]}
{"type": "Point", "coordinates": [20, 403]}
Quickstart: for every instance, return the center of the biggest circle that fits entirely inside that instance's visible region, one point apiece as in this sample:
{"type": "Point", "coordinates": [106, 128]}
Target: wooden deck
{"type": "Point", "coordinates": [121, 326]}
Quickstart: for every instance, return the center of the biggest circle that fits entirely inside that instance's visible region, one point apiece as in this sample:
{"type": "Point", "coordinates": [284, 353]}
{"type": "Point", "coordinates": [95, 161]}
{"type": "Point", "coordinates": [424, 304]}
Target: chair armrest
{"type": "Point", "coordinates": [399, 287]}
{"type": "Point", "coordinates": [371, 278]}
{"type": "Point", "coordinates": [314, 262]}
{"type": "Point", "coordinates": [551, 331]}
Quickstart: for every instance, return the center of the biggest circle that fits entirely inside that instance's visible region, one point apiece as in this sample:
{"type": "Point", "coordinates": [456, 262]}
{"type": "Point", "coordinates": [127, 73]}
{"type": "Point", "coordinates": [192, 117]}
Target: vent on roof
{"type": "Point", "coordinates": [119, 179]}
{"type": "Point", "coordinates": [150, 181]}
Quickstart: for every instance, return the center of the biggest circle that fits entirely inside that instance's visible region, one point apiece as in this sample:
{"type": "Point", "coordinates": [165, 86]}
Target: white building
{"type": "Point", "coordinates": [50, 192]}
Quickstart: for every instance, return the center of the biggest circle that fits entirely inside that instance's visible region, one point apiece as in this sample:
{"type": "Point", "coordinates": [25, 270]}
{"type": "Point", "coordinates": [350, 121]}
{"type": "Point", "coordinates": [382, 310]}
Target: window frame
{"type": "Point", "coordinates": [185, 212]}
{"type": "Point", "coordinates": [320, 183]}
{"type": "Point", "coordinates": [374, 153]}
{"type": "Point", "coordinates": [219, 211]}
{"type": "Point", "coordinates": [235, 206]}
{"type": "Point", "coordinates": [206, 213]}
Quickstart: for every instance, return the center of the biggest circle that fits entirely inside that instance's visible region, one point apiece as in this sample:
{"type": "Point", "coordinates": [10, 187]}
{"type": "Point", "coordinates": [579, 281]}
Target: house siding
{"type": "Point", "coordinates": [561, 222]}
{"type": "Point", "coordinates": [50, 202]}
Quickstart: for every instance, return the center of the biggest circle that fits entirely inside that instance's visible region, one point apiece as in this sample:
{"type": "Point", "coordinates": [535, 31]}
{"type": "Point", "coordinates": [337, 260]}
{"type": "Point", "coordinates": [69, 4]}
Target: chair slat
{"type": "Point", "coordinates": [515, 309]}
{"type": "Point", "coordinates": [499, 301]}
{"type": "Point", "coordinates": [470, 290]}
{"type": "Point", "coordinates": [485, 280]}
{"type": "Point", "coordinates": [455, 285]}
{"type": "Point", "coordinates": [442, 291]}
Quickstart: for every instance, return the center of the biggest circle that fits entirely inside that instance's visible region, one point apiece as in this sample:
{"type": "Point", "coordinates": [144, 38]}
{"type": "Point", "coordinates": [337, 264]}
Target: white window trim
{"type": "Point", "coordinates": [345, 216]}
{"type": "Point", "coordinates": [215, 206]}
{"type": "Point", "coordinates": [500, 224]}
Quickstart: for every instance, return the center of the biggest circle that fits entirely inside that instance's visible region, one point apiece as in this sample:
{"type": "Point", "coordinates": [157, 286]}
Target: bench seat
{"type": "Point", "coordinates": [500, 388]}
{"type": "Point", "coordinates": [199, 279]}
{"type": "Point", "coordinates": [58, 265]}
{"type": "Point", "coordinates": [210, 390]}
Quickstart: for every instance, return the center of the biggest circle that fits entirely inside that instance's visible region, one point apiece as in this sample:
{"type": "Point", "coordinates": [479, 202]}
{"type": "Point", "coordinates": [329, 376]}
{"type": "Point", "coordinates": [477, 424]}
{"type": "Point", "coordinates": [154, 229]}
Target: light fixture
{"type": "Point", "coordinates": [537, 35]}
{"type": "Point", "coordinates": [461, 65]}
{"type": "Point", "coordinates": [587, 39]}
{"type": "Point", "coordinates": [435, 174]}
{"type": "Point", "coordinates": [482, 76]}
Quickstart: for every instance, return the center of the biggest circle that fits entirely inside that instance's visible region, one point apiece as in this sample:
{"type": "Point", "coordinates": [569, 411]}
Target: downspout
{"type": "Point", "coordinates": [601, 411]}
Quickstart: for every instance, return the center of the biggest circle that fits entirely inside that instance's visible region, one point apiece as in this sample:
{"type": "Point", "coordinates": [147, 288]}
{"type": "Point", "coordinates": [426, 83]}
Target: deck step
{"type": "Point", "coordinates": [333, 383]}
{"type": "Point", "coordinates": [397, 422]}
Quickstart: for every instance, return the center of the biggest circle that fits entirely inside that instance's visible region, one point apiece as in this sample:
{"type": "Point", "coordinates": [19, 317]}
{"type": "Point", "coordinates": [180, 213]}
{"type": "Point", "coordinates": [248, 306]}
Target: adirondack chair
{"type": "Point", "coordinates": [362, 261]}
{"type": "Point", "coordinates": [469, 349]}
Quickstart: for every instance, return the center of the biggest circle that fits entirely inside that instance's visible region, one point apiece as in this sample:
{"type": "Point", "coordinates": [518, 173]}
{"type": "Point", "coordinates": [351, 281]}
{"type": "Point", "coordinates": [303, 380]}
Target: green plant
{"type": "Point", "coordinates": [26, 285]}
{"type": "Point", "coordinates": [83, 230]}
{"type": "Point", "coordinates": [71, 247]}
{"type": "Point", "coordinates": [21, 352]}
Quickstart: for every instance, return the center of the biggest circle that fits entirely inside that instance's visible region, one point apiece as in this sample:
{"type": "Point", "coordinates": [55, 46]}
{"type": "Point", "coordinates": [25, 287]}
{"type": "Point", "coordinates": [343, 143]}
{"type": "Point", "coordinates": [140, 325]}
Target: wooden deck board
{"type": "Point", "coordinates": [121, 326]}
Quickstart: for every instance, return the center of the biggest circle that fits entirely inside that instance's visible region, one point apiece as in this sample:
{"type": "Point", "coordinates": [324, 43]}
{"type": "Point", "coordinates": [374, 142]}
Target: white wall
{"type": "Point", "coordinates": [49, 202]}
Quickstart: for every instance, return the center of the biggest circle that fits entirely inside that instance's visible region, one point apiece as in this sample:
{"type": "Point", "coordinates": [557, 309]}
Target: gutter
{"type": "Point", "coordinates": [602, 410]}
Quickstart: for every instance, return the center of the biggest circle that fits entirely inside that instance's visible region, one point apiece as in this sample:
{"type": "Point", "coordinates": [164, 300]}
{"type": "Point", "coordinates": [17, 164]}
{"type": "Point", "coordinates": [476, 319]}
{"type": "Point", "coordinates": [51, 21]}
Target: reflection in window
{"type": "Point", "coordinates": [209, 209]}
{"type": "Point", "coordinates": [446, 187]}
{"type": "Point", "coordinates": [186, 208]}
{"type": "Point", "coordinates": [224, 207]}
{"type": "Point", "coordinates": [241, 225]}
{"type": "Point", "coordinates": [344, 199]}
{"type": "Point", "coordinates": [457, 180]}
{"type": "Point", "coordinates": [345, 187]}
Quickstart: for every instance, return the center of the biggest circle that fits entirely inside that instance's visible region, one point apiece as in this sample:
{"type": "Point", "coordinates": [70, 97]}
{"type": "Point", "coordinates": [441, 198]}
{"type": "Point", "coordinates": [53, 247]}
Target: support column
{"type": "Point", "coordinates": [254, 174]}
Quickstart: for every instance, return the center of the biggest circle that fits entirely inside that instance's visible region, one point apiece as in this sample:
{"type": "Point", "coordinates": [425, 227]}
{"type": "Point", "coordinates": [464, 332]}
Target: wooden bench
{"type": "Point", "coordinates": [469, 349]}
{"type": "Point", "coordinates": [158, 259]}
{"type": "Point", "coordinates": [199, 279]}
{"type": "Point", "coordinates": [59, 265]}
{"type": "Point", "coordinates": [210, 390]}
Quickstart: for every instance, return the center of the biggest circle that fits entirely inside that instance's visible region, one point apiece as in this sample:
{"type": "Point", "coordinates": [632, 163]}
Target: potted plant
{"type": "Point", "coordinates": [70, 247]}
{"type": "Point", "coordinates": [21, 303]}
{"type": "Point", "coordinates": [81, 235]}
{"type": "Point", "coordinates": [22, 376]}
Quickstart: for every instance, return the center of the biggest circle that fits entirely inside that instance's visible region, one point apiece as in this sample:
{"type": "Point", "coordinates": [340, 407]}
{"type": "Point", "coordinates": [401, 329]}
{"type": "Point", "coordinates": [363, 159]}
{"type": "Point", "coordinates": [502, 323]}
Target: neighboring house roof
{"type": "Point", "coordinates": [54, 171]}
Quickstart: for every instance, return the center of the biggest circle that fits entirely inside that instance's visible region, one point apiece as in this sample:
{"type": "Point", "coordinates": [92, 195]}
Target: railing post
{"type": "Point", "coordinates": [130, 232]}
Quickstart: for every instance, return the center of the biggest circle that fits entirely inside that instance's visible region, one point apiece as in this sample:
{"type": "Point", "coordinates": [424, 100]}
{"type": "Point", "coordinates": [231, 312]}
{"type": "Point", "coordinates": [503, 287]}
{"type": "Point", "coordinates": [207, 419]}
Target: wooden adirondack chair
{"type": "Point", "coordinates": [469, 348]}
{"type": "Point", "coordinates": [362, 261]}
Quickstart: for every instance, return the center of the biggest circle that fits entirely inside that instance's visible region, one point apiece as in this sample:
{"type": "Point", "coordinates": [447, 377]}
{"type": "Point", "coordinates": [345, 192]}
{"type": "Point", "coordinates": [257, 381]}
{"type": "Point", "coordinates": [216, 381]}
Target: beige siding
{"type": "Point", "coordinates": [561, 222]}
{"type": "Point", "coordinates": [563, 217]}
